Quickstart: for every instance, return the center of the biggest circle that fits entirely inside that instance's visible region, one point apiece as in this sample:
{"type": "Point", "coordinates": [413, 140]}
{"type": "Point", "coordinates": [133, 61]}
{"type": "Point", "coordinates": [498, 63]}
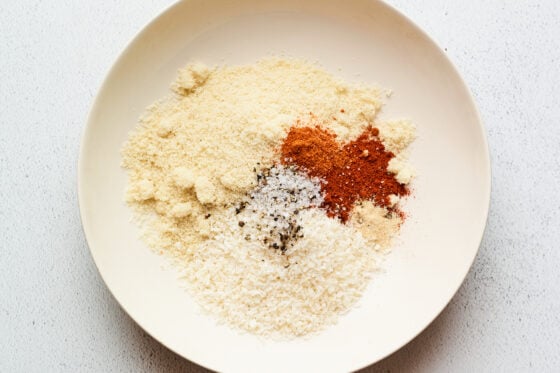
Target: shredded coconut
{"type": "Point", "coordinates": [278, 295]}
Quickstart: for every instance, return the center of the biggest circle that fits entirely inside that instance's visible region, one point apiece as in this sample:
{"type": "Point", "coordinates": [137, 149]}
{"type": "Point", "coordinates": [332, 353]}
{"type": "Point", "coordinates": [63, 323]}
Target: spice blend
{"type": "Point", "coordinates": [351, 172]}
{"type": "Point", "coordinates": [273, 187]}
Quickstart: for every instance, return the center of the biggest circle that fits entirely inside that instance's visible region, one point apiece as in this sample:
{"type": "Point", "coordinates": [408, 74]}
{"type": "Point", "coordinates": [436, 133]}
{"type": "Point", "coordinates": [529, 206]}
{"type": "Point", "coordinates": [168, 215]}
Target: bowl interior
{"type": "Point", "coordinates": [358, 40]}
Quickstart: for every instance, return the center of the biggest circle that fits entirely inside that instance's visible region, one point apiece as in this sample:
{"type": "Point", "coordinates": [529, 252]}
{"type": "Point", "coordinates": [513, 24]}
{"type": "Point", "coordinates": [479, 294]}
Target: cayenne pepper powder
{"type": "Point", "coordinates": [349, 173]}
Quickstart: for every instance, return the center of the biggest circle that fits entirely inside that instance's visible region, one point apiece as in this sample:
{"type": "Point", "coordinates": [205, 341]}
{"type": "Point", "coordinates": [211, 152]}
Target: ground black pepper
{"type": "Point", "coordinates": [281, 194]}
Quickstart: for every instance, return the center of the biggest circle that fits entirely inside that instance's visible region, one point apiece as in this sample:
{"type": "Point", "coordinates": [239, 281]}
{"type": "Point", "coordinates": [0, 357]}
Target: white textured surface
{"type": "Point", "coordinates": [57, 315]}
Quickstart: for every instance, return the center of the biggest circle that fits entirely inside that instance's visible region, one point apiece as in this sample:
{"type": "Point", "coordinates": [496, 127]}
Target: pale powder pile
{"type": "Point", "coordinates": [195, 155]}
{"type": "Point", "coordinates": [256, 289]}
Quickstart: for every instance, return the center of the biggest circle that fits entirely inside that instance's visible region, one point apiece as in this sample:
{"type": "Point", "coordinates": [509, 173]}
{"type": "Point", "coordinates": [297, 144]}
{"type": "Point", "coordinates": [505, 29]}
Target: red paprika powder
{"type": "Point", "coordinates": [349, 172]}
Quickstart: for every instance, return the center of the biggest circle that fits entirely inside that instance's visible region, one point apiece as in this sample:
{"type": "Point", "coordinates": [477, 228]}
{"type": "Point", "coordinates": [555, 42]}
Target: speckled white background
{"type": "Point", "coordinates": [57, 315]}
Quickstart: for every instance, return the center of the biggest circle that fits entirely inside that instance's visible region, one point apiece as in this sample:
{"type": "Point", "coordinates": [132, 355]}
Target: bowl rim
{"type": "Point", "coordinates": [171, 8]}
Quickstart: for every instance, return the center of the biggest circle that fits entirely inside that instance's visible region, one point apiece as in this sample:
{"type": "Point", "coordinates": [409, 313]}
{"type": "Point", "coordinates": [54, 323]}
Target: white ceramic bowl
{"type": "Point", "coordinates": [359, 40]}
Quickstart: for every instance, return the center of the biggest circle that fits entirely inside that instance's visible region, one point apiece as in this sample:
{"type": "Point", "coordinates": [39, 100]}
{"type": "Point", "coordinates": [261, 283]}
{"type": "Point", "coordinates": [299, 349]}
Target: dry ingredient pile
{"type": "Point", "coordinates": [273, 187]}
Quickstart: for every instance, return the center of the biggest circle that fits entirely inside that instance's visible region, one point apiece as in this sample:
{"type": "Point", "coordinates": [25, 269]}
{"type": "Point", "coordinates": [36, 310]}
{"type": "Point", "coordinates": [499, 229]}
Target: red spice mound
{"type": "Point", "coordinates": [351, 172]}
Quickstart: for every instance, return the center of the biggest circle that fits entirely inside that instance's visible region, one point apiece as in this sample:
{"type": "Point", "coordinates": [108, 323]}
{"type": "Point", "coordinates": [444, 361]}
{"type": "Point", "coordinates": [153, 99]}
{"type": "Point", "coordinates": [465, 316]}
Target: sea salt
{"type": "Point", "coordinates": [270, 213]}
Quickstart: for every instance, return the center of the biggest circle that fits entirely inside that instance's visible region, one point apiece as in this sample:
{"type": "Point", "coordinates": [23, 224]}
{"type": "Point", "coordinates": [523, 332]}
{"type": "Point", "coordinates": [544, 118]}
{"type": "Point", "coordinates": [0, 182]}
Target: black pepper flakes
{"type": "Point", "coordinates": [276, 202]}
